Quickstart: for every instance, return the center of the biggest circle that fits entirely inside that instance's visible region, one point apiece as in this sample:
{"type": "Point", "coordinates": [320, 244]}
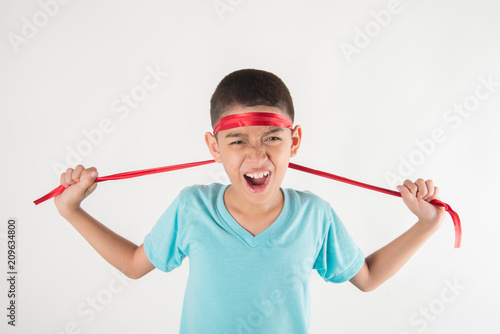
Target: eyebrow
{"type": "Point", "coordinates": [241, 135]}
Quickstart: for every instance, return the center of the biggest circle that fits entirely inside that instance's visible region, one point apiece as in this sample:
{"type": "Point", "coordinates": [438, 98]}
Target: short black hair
{"type": "Point", "coordinates": [250, 87]}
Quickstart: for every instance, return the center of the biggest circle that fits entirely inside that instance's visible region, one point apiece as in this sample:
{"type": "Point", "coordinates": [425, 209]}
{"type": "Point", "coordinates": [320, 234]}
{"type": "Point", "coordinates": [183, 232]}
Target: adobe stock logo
{"type": "Point", "coordinates": [265, 307]}
{"type": "Point", "coordinates": [222, 7]}
{"type": "Point", "coordinates": [31, 27]}
{"type": "Point", "coordinates": [94, 305]}
{"type": "Point", "coordinates": [429, 313]}
{"type": "Point", "coordinates": [270, 304]}
{"type": "Point", "coordinates": [122, 106]}
{"type": "Point", "coordinates": [364, 36]}
{"type": "Point", "coordinates": [454, 118]}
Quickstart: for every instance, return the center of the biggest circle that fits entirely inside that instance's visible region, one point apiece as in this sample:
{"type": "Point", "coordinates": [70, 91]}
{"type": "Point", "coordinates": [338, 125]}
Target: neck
{"type": "Point", "coordinates": [238, 205]}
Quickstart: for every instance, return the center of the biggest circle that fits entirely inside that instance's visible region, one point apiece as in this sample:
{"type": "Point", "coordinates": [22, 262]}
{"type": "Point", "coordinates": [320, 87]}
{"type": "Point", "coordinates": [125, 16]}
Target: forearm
{"type": "Point", "coordinates": [116, 250]}
{"type": "Point", "coordinates": [385, 262]}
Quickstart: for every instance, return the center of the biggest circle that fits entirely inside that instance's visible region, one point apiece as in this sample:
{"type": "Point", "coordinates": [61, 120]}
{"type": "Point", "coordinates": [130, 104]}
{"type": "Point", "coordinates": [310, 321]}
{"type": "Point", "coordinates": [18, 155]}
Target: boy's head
{"type": "Point", "coordinates": [252, 112]}
{"type": "Point", "coordinates": [249, 88]}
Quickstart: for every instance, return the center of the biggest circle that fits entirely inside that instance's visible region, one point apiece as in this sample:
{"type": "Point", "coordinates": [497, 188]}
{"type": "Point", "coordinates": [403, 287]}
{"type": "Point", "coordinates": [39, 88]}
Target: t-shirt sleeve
{"type": "Point", "coordinates": [339, 258]}
{"type": "Point", "coordinates": [163, 243]}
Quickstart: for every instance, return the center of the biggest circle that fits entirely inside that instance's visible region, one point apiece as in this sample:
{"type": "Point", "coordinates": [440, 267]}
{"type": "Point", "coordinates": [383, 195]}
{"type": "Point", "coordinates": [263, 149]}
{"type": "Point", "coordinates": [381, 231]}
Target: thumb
{"type": "Point", "coordinates": [406, 195]}
{"type": "Point", "coordinates": [87, 183]}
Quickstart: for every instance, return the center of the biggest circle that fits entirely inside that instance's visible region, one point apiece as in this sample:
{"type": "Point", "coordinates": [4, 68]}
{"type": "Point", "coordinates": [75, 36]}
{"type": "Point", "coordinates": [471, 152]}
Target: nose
{"type": "Point", "coordinates": [257, 153]}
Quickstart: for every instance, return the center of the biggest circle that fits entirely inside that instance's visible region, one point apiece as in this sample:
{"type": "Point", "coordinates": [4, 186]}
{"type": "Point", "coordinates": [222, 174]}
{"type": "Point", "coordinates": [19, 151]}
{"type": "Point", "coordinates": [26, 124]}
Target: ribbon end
{"type": "Point", "coordinates": [51, 194]}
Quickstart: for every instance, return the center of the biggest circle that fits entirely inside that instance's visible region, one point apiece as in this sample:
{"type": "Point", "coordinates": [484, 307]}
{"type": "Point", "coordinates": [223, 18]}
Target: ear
{"type": "Point", "coordinates": [213, 146]}
{"type": "Point", "coordinates": [296, 139]}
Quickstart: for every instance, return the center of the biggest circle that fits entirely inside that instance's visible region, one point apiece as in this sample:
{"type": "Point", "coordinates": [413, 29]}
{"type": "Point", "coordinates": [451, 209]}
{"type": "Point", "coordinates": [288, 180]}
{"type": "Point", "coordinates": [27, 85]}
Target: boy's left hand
{"type": "Point", "coordinates": [416, 196]}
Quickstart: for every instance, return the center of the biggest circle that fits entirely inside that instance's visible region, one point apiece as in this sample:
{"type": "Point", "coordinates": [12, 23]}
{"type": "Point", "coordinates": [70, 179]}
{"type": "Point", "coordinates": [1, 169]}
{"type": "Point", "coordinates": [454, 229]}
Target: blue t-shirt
{"type": "Point", "coordinates": [239, 283]}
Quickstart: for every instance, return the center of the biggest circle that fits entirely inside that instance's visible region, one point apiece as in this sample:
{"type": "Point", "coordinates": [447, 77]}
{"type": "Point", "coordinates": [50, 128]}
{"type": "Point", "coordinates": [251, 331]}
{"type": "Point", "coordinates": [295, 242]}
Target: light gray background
{"type": "Point", "coordinates": [362, 115]}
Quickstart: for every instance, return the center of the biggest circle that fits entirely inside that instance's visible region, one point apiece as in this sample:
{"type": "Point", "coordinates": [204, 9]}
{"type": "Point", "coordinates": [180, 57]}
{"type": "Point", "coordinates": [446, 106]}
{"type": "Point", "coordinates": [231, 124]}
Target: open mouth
{"type": "Point", "coordinates": [257, 179]}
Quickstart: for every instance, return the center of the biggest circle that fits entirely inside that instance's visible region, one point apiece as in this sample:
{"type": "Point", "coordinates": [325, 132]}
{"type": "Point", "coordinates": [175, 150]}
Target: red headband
{"type": "Point", "coordinates": [252, 119]}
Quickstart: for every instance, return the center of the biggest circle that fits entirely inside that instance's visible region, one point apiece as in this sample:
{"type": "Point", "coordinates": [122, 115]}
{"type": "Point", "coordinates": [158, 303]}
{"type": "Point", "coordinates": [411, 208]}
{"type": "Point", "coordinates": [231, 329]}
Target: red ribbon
{"type": "Point", "coordinates": [252, 119]}
{"type": "Point", "coordinates": [453, 214]}
{"type": "Point", "coordinates": [127, 175]}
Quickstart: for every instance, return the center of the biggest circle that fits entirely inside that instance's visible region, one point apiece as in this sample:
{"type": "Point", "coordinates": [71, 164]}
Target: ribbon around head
{"type": "Point", "coordinates": [252, 119]}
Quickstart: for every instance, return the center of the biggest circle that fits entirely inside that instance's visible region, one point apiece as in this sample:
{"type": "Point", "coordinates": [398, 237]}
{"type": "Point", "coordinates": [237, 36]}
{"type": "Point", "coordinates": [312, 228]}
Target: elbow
{"type": "Point", "coordinates": [132, 274]}
{"type": "Point", "coordinates": [137, 265]}
{"type": "Point", "coordinates": [365, 285]}
{"type": "Point", "coordinates": [368, 288]}
{"type": "Point", "coordinates": [364, 280]}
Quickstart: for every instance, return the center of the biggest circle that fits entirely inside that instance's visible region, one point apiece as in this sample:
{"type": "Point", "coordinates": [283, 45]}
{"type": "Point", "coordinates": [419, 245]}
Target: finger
{"type": "Point", "coordinates": [87, 172]}
{"type": "Point", "coordinates": [422, 188]}
{"type": "Point", "coordinates": [406, 194]}
{"type": "Point", "coordinates": [68, 177]}
{"type": "Point", "coordinates": [430, 189]}
{"type": "Point", "coordinates": [77, 173]}
{"type": "Point", "coordinates": [91, 189]}
{"type": "Point", "coordinates": [62, 180]}
{"type": "Point", "coordinates": [435, 195]}
{"type": "Point", "coordinates": [412, 187]}
{"type": "Point", "coordinates": [87, 180]}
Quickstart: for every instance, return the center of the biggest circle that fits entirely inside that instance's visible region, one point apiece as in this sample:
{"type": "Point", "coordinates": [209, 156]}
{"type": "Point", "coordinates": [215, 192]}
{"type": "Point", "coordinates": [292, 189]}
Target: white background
{"type": "Point", "coordinates": [362, 113]}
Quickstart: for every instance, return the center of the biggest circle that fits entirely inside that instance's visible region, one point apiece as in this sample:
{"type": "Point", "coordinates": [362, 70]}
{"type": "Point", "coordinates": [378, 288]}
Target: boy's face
{"type": "Point", "coordinates": [255, 157]}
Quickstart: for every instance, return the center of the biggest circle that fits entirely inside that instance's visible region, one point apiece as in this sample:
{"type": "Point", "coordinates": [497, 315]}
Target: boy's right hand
{"type": "Point", "coordinates": [79, 183]}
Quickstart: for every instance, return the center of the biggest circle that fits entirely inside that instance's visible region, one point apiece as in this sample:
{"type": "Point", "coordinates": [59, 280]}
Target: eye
{"type": "Point", "coordinates": [273, 138]}
{"type": "Point", "coordinates": [237, 142]}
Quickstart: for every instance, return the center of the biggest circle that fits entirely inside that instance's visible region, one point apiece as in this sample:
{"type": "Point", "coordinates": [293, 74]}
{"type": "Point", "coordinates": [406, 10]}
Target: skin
{"type": "Point", "coordinates": [122, 254]}
{"type": "Point", "coordinates": [384, 263]}
{"type": "Point", "coordinates": [254, 149]}
{"type": "Point", "coordinates": [245, 150]}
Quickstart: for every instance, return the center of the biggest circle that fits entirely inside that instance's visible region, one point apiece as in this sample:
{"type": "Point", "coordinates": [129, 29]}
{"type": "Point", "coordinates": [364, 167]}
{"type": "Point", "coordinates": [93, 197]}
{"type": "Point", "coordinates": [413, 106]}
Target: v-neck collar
{"type": "Point", "coordinates": [245, 236]}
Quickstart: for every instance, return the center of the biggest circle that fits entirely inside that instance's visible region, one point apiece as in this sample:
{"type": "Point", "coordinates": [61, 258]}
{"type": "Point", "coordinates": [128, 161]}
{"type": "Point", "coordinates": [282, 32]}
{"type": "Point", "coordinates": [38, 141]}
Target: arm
{"type": "Point", "coordinates": [127, 257]}
{"type": "Point", "coordinates": [384, 263]}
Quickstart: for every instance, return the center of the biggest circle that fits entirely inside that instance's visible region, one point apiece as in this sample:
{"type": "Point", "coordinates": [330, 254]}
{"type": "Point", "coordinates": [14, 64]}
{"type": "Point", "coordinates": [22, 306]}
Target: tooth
{"type": "Point", "coordinates": [257, 175]}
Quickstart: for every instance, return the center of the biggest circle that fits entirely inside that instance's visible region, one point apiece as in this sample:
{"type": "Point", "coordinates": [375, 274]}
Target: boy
{"type": "Point", "coordinates": [252, 245]}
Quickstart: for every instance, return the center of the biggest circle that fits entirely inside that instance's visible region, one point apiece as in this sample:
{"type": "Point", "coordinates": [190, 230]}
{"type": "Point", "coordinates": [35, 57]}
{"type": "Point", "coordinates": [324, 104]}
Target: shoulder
{"type": "Point", "coordinates": [309, 204]}
{"type": "Point", "coordinates": [202, 189]}
{"type": "Point", "coordinates": [194, 201]}
{"type": "Point", "coordinates": [201, 192]}
{"type": "Point", "coordinates": [306, 198]}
